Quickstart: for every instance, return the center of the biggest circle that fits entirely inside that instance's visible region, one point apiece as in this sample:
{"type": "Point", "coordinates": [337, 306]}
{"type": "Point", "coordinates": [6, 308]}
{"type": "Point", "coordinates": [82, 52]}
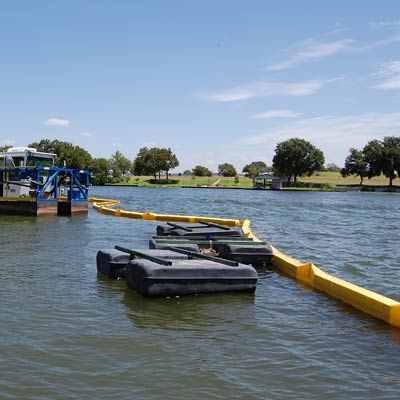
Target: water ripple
{"type": "Point", "coordinates": [68, 333]}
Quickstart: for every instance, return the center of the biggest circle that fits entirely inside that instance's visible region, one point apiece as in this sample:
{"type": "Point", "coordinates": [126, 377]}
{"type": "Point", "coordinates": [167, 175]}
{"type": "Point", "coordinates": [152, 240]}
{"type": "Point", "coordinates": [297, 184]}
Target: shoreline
{"type": "Point", "coordinates": [336, 189]}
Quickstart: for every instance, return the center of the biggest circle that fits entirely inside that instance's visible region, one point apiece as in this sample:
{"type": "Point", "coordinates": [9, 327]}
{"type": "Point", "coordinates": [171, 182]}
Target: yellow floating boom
{"type": "Point", "coordinates": [366, 300]}
{"type": "Point", "coordinates": [105, 206]}
{"type": "Point", "coordinates": [363, 299]}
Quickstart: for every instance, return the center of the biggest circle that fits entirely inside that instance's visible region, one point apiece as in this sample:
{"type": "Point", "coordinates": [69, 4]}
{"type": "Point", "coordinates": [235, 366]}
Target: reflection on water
{"type": "Point", "coordinates": [68, 333]}
{"type": "Point", "coordinates": [187, 312]}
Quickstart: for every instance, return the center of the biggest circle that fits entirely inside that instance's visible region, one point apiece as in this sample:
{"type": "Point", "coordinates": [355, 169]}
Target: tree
{"type": "Point", "coordinates": [120, 164]}
{"type": "Point", "coordinates": [255, 168]}
{"type": "Point", "coordinates": [383, 157]}
{"type": "Point", "coordinates": [73, 156]}
{"type": "Point", "coordinates": [373, 156]}
{"type": "Point", "coordinates": [187, 172]}
{"type": "Point", "coordinates": [166, 161]}
{"type": "Point", "coordinates": [199, 170]}
{"type": "Point", "coordinates": [99, 168]}
{"type": "Point", "coordinates": [145, 163]}
{"type": "Point", "coordinates": [226, 169]}
{"type": "Point", "coordinates": [391, 158]}
{"type": "Point", "coordinates": [45, 145]}
{"type": "Point", "coordinates": [296, 157]}
{"type": "Point", "coordinates": [153, 161]}
{"type": "Point", "coordinates": [355, 165]}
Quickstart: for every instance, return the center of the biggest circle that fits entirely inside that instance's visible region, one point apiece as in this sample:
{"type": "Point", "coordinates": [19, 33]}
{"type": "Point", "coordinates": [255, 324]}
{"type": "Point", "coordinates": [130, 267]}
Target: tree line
{"type": "Point", "coordinates": [297, 157]}
{"type": "Point", "coordinates": [376, 158]}
{"type": "Point", "coordinates": [293, 158]}
{"type": "Point", "coordinates": [151, 161]}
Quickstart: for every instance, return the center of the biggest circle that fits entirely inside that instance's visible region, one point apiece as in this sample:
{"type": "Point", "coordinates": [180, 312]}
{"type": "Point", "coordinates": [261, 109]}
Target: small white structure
{"type": "Point", "coordinates": [276, 181]}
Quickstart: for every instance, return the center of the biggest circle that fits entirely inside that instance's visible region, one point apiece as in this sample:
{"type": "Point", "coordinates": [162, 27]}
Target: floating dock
{"type": "Point", "coordinates": [189, 258]}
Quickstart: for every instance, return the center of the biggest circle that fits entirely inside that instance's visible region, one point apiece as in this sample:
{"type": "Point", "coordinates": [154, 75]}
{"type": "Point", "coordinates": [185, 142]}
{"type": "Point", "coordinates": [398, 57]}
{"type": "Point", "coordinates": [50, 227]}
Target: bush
{"type": "Point", "coordinates": [308, 185]}
{"type": "Point", "coordinates": [163, 181]}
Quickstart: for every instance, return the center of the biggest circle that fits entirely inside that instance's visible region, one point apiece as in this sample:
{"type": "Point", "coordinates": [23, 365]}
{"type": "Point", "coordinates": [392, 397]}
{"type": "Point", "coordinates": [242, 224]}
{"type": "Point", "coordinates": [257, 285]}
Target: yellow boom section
{"type": "Point", "coordinates": [366, 300]}
{"type": "Point", "coordinates": [105, 206]}
{"type": "Point", "coordinates": [370, 302]}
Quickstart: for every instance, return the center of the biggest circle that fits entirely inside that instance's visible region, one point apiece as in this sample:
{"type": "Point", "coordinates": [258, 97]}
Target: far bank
{"type": "Point", "coordinates": [321, 181]}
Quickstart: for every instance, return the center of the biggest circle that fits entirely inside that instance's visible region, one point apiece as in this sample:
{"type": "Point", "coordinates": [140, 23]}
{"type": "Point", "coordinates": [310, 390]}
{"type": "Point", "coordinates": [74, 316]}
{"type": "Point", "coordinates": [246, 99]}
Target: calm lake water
{"type": "Point", "coordinates": [67, 333]}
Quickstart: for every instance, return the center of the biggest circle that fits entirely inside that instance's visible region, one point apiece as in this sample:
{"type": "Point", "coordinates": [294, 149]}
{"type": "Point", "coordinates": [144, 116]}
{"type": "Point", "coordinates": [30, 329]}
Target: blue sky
{"type": "Point", "coordinates": [217, 81]}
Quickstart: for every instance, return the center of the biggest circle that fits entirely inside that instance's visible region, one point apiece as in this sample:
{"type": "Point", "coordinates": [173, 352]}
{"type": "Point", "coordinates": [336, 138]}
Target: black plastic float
{"type": "Point", "coordinates": [191, 258]}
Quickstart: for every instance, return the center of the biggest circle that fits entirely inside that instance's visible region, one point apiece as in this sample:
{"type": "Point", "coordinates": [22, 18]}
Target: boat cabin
{"type": "Point", "coordinates": [16, 158]}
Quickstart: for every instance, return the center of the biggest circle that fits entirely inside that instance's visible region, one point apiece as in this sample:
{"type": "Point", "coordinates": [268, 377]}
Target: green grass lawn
{"type": "Point", "coordinates": [335, 179]}
{"type": "Point", "coordinates": [329, 178]}
{"type": "Point", "coordinates": [195, 181]}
